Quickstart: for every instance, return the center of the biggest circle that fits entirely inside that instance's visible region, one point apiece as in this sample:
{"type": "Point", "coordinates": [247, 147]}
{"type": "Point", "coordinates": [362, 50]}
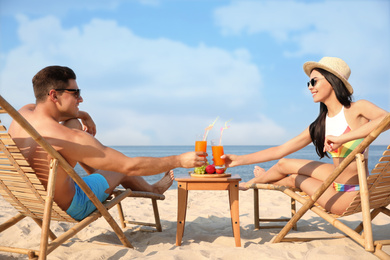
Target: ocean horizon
{"type": "Point", "coordinates": [245, 171]}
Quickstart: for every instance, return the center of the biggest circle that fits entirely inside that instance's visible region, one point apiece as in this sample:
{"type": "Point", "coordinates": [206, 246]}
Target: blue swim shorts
{"type": "Point", "coordinates": [81, 205]}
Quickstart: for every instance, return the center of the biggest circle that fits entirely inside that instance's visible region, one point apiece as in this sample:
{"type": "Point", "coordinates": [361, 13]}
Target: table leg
{"type": "Point", "coordinates": [182, 193]}
{"type": "Point", "coordinates": [234, 212]}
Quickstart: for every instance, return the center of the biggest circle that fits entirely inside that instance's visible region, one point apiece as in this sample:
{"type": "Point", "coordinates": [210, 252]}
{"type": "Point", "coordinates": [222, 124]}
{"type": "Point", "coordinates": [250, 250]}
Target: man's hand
{"type": "Point", "coordinates": [192, 159]}
{"type": "Point", "coordinates": [88, 123]}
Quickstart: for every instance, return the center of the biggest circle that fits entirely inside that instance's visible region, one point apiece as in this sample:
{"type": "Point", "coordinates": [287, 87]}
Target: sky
{"type": "Point", "coordinates": [158, 72]}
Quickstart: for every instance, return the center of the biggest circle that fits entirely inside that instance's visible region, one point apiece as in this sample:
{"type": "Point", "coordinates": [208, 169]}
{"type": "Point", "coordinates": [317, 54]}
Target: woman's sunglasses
{"type": "Point", "coordinates": [313, 82]}
{"type": "Point", "coordinates": [75, 91]}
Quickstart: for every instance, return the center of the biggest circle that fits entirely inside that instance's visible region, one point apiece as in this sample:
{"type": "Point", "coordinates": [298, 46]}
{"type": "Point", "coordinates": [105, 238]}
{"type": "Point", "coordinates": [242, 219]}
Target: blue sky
{"type": "Point", "coordinates": [156, 72]}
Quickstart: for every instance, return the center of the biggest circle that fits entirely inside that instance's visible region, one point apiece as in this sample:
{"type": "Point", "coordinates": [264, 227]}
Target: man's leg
{"type": "Point", "coordinates": [136, 183]}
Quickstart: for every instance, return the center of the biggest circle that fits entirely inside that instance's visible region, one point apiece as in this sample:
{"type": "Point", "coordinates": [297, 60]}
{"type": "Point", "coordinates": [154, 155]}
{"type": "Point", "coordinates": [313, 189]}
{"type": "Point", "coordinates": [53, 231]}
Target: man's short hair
{"type": "Point", "coordinates": [51, 77]}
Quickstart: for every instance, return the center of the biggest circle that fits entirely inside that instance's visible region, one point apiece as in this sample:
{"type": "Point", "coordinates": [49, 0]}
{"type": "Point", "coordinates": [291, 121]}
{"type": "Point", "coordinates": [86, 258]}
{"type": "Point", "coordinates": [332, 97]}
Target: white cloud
{"type": "Point", "coordinates": [162, 91]}
{"type": "Point", "coordinates": [260, 131]}
{"type": "Point", "coordinates": [62, 7]}
{"type": "Point", "coordinates": [357, 31]}
{"type": "Point", "coordinates": [164, 129]}
{"type": "Point", "coordinates": [122, 75]}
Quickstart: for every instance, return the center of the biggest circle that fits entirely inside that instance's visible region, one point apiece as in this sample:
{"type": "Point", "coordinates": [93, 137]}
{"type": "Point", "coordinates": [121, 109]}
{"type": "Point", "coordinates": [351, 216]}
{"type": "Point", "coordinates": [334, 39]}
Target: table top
{"type": "Point", "coordinates": [188, 178]}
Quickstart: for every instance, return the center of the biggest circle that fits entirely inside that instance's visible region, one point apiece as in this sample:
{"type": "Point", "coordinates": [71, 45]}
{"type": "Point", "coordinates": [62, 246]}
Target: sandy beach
{"type": "Point", "coordinates": [208, 232]}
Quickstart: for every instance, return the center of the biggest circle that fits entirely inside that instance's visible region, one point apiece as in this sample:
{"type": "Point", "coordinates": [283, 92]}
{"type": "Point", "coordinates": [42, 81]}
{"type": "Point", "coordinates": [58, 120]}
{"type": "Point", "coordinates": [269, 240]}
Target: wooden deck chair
{"type": "Point", "coordinates": [256, 207]}
{"type": "Point", "coordinates": [141, 194]}
{"type": "Point", "coordinates": [374, 195]}
{"type": "Point", "coordinates": [20, 186]}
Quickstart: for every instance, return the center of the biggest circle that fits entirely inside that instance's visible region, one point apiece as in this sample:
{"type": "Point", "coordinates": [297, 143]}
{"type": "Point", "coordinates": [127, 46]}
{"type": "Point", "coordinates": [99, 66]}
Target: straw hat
{"type": "Point", "coordinates": [336, 66]}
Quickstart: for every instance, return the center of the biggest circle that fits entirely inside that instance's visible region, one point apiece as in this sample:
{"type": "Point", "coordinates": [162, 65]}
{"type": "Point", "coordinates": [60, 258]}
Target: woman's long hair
{"type": "Point", "coordinates": [317, 128]}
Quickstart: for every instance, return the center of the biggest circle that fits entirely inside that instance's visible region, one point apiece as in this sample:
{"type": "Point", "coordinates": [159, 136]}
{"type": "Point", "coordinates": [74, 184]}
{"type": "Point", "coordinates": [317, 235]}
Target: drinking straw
{"type": "Point", "coordinates": [207, 129]}
{"type": "Point", "coordinates": [223, 128]}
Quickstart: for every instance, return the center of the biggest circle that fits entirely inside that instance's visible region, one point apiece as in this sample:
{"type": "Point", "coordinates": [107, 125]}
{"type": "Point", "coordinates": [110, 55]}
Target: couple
{"type": "Point", "coordinates": [340, 124]}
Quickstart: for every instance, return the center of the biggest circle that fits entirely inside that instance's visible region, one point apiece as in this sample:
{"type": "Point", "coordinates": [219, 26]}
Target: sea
{"type": "Point", "coordinates": [245, 171]}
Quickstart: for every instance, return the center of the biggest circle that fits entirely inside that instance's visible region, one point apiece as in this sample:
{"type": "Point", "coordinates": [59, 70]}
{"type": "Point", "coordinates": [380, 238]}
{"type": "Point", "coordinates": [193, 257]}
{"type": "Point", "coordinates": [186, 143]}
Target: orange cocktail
{"type": "Point", "coordinates": [217, 153]}
{"type": "Point", "coordinates": [200, 146]}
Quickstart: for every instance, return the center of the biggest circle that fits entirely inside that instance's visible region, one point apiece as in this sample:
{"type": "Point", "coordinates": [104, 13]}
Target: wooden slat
{"type": "Point", "coordinates": [384, 159]}
{"type": "Point", "coordinates": [18, 178]}
{"type": "Point", "coordinates": [15, 175]}
{"type": "Point", "coordinates": [9, 168]}
{"type": "Point", "coordinates": [13, 183]}
{"type": "Point", "coordinates": [384, 185]}
{"type": "Point", "coordinates": [8, 141]}
{"type": "Point", "coordinates": [17, 156]}
{"type": "Point", "coordinates": [26, 190]}
{"type": "Point", "coordinates": [20, 161]}
{"type": "Point", "coordinates": [13, 149]}
{"type": "Point", "coordinates": [380, 167]}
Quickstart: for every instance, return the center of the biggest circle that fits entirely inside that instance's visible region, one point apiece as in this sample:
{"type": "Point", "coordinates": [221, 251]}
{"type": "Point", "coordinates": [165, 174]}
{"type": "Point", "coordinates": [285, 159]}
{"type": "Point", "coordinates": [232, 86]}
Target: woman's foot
{"type": "Point", "coordinates": [163, 185]}
{"type": "Point", "coordinates": [257, 171]}
{"type": "Point", "coordinates": [243, 186]}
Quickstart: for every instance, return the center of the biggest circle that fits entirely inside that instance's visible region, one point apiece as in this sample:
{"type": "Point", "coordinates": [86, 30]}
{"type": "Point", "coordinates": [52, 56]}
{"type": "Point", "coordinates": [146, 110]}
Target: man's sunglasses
{"type": "Point", "coordinates": [313, 82]}
{"type": "Point", "coordinates": [75, 91]}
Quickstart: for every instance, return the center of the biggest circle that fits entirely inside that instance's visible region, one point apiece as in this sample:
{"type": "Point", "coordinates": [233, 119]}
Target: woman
{"type": "Point", "coordinates": [340, 126]}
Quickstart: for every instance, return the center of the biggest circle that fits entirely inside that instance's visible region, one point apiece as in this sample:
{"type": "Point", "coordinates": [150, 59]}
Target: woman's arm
{"type": "Point", "coordinates": [363, 117]}
{"type": "Point", "coordinates": [273, 153]}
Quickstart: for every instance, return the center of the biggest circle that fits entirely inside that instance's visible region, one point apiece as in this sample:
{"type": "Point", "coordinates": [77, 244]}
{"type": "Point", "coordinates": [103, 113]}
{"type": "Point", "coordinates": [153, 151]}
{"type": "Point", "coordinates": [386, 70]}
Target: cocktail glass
{"type": "Point", "coordinates": [200, 144]}
{"type": "Point", "coordinates": [217, 149]}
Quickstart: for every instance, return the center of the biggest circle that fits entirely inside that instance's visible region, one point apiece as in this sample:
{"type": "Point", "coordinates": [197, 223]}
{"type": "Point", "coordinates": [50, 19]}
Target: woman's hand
{"type": "Point", "coordinates": [230, 160]}
{"type": "Point", "coordinates": [332, 143]}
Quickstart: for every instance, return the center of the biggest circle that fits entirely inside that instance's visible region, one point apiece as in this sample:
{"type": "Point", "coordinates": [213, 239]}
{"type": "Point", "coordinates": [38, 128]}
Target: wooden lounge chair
{"type": "Point", "coordinates": [374, 195]}
{"type": "Point", "coordinates": [142, 194]}
{"type": "Point", "coordinates": [256, 207]}
{"type": "Point", "coordinates": [20, 186]}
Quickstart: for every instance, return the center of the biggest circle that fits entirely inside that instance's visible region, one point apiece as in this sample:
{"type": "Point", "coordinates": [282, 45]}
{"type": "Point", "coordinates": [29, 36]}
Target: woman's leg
{"type": "Point", "coordinates": [285, 167]}
{"type": "Point", "coordinates": [332, 200]}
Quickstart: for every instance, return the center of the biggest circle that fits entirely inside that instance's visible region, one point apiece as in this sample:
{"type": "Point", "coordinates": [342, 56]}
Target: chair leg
{"type": "Point", "coordinates": [121, 215]}
{"type": "Point", "coordinates": [156, 215]}
{"type": "Point", "coordinates": [12, 221]}
{"type": "Point", "coordinates": [374, 213]}
{"type": "Point", "coordinates": [365, 203]}
{"type": "Point", "coordinates": [51, 234]}
{"type": "Point", "coordinates": [157, 224]}
{"type": "Point", "coordinates": [256, 208]}
{"type": "Point", "coordinates": [258, 220]}
{"type": "Point", "coordinates": [294, 211]}
{"type": "Point", "coordinates": [47, 211]}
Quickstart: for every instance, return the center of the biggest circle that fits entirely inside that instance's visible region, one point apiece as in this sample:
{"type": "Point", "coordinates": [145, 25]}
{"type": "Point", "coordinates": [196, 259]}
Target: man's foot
{"type": "Point", "coordinates": [163, 185]}
{"type": "Point", "coordinates": [258, 171]}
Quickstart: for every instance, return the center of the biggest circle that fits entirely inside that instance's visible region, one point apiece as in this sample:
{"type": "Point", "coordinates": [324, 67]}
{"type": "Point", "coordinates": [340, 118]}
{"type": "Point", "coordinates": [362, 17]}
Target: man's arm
{"type": "Point", "coordinates": [88, 124]}
{"type": "Point", "coordinates": [76, 145]}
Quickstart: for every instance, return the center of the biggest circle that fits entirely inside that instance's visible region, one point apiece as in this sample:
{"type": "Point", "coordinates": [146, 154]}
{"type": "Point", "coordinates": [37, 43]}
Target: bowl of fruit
{"type": "Point", "coordinates": [210, 171]}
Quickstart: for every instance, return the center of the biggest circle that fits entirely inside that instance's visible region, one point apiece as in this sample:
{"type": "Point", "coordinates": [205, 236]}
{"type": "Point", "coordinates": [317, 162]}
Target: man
{"type": "Point", "coordinates": [54, 116]}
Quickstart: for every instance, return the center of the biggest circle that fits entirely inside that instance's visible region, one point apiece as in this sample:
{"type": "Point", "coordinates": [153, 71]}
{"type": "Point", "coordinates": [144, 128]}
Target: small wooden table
{"type": "Point", "coordinates": [198, 183]}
